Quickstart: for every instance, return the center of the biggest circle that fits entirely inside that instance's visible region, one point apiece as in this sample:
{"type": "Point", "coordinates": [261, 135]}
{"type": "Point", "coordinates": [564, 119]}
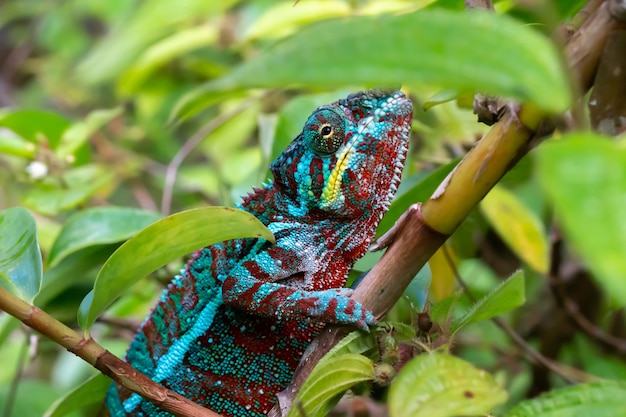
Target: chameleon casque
{"type": "Point", "coordinates": [229, 331]}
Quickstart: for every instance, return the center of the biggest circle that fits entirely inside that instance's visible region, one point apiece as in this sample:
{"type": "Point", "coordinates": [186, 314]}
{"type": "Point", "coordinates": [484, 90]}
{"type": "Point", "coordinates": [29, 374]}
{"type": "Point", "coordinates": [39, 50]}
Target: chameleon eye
{"type": "Point", "coordinates": [325, 131]}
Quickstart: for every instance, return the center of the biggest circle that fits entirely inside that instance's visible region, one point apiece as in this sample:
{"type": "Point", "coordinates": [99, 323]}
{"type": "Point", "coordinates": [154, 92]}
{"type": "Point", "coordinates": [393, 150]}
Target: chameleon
{"type": "Point", "coordinates": [229, 330]}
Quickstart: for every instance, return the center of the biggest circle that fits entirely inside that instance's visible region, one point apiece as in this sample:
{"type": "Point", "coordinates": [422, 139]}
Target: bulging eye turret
{"type": "Point", "coordinates": [325, 131]}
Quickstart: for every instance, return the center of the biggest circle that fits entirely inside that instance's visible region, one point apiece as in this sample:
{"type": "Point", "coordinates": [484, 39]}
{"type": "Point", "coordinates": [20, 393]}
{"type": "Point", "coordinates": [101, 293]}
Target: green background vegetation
{"type": "Point", "coordinates": [116, 114]}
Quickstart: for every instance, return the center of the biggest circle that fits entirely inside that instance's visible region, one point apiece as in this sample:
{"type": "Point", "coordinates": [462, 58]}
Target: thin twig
{"type": "Point", "coordinates": [193, 141]}
{"type": "Point", "coordinates": [572, 310]}
{"type": "Point", "coordinates": [100, 358]}
{"type": "Point", "coordinates": [571, 307]}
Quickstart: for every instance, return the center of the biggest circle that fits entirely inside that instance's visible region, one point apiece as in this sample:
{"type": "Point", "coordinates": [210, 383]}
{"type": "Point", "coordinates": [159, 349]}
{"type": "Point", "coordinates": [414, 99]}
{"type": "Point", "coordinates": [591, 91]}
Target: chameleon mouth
{"type": "Point", "coordinates": [397, 174]}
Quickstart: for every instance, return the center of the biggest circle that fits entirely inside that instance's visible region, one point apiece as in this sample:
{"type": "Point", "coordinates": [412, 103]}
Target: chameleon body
{"type": "Point", "coordinates": [228, 332]}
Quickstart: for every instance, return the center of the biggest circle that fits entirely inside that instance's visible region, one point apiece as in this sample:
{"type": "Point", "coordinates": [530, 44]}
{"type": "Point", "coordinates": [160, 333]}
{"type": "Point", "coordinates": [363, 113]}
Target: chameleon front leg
{"type": "Point", "coordinates": [274, 300]}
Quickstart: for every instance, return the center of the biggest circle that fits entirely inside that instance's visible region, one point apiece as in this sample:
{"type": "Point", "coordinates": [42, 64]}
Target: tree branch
{"type": "Point", "coordinates": [94, 354]}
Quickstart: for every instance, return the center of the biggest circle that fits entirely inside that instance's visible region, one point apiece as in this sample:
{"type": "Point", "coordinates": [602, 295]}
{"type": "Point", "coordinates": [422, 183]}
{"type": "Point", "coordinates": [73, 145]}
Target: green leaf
{"type": "Point", "coordinates": [584, 176]}
{"type": "Point", "coordinates": [179, 43]}
{"type": "Point", "coordinates": [518, 227]}
{"type": "Point", "coordinates": [439, 385]}
{"type": "Point", "coordinates": [90, 392]}
{"type": "Point", "coordinates": [283, 18]}
{"type": "Point", "coordinates": [195, 103]}
{"type": "Point", "coordinates": [495, 54]}
{"type": "Point", "coordinates": [439, 98]}
{"type": "Point", "coordinates": [162, 242]}
{"type": "Point", "coordinates": [356, 342]}
{"type": "Point", "coordinates": [97, 226]}
{"type": "Point", "coordinates": [62, 276]}
{"type": "Point", "coordinates": [78, 134]}
{"type": "Point", "coordinates": [35, 125]}
{"type": "Point", "coordinates": [80, 184]}
{"type": "Point", "coordinates": [7, 325]}
{"type": "Point", "coordinates": [31, 399]}
{"type": "Point", "coordinates": [20, 258]}
{"type": "Point", "coordinates": [319, 394]}
{"type": "Point", "coordinates": [13, 144]}
{"type": "Point", "coordinates": [149, 22]}
{"type": "Point", "coordinates": [505, 297]}
{"type": "Point", "coordinates": [597, 399]}
{"type": "Point", "coordinates": [442, 311]}
{"type": "Point", "coordinates": [328, 379]}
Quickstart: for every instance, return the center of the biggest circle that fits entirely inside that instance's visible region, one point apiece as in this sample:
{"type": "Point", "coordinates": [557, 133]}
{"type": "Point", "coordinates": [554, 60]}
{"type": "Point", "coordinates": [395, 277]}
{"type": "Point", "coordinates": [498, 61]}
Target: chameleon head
{"type": "Point", "coordinates": [348, 160]}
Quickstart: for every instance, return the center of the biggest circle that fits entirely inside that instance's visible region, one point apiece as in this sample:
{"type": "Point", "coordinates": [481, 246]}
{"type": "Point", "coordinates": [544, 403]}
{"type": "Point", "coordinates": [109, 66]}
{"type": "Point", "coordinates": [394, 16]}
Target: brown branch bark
{"type": "Point", "coordinates": [94, 354]}
{"type": "Point", "coordinates": [607, 103]}
{"type": "Point", "coordinates": [425, 230]}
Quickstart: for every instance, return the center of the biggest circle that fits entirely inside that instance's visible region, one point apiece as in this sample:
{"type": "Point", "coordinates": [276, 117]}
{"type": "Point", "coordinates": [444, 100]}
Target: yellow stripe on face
{"type": "Point", "coordinates": [332, 191]}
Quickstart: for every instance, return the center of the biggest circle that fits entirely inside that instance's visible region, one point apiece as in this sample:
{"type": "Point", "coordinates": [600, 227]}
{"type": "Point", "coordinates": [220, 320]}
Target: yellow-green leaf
{"type": "Point", "coordinates": [330, 378]}
{"type": "Point", "coordinates": [584, 176]}
{"type": "Point", "coordinates": [518, 227]}
{"type": "Point", "coordinates": [89, 392]}
{"type": "Point", "coordinates": [475, 51]}
{"type": "Point", "coordinates": [597, 399]}
{"type": "Point", "coordinates": [440, 385]}
{"type": "Point", "coordinates": [505, 297]}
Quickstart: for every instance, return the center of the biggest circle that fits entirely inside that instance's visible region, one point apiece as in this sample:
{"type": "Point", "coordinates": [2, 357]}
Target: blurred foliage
{"type": "Point", "coordinates": [115, 113]}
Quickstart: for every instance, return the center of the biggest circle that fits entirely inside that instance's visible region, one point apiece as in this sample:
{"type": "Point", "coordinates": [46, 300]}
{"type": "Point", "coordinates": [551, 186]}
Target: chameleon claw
{"type": "Point", "coordinates": [367, 321]}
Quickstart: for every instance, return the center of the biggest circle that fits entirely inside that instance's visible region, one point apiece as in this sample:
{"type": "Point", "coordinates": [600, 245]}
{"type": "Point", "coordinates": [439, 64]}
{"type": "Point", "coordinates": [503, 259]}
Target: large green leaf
{"type": "Point", "coordinates": [177, 44]}
{"type": "Point", "coordinates": [518, 227]}
{"type": "Point", "coordinates": [162, 242]}
{"type": "Point", "coordinates": [283, 18]}
{"type": "Point", "coordinates": [505, 297]}
{"type": "Point", "coordinates": [89, 392]}
{"type": "Point", "coordinates": [330, 378]}
{"type": "Point", "coordinates": [20, 258]}
{"type": "Point", "coordinates": [31, 399]}
{"type": "Point", "coordinates": [475, 51]}
{"type": "Point", "coordinates": [439, 385]}
{"type": "Point", "coordinates": [149, 22]}
{"type": "Point", "coordinates": [597, 399]}
{"type": "Point", "coordinates": [35, 125]}
{"type": "Point", "coordinates": [97, 226]}
{"type": "Point", "coordinates": [584, 176]}
{"type": "Point", "coordinates": [62, 276]}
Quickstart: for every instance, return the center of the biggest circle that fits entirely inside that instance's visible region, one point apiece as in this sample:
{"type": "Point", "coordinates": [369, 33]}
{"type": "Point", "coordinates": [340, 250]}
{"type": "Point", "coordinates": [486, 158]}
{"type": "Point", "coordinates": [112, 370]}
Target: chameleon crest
{"type": "Point", "coordinates": [228, 332]}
